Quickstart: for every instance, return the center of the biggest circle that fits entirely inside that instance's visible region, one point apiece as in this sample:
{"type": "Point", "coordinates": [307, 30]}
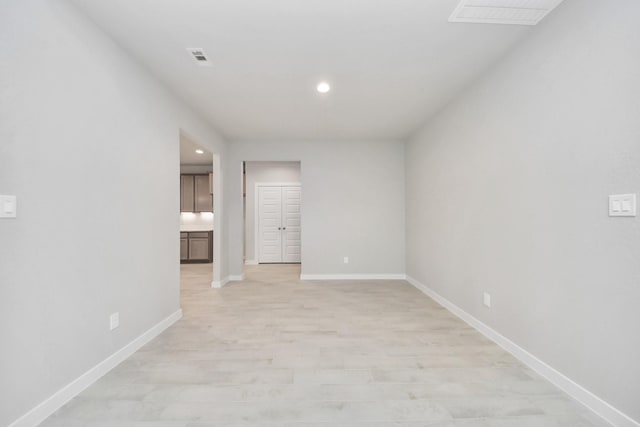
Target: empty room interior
{"type": "Point", "coordinates": [319, 213]}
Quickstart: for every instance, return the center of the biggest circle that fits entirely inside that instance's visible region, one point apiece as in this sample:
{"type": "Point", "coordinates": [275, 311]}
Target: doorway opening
{"type": "Point", "coordinates": [199, 215]}
{"type": "Point", "coordinates": [272, 202]}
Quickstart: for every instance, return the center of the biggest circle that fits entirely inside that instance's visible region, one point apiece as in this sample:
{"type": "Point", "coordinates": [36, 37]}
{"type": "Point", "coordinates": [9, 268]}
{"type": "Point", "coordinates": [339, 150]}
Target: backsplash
{"type": "Point", "coordinates": [200, 221]}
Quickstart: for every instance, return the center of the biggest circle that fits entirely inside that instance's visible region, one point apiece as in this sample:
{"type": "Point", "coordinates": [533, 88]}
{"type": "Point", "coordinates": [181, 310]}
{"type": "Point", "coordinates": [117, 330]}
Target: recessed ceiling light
{"type": "Point", "coordinates": [323, 87]}
{"type": "Point", "coordinates": [199, 151]}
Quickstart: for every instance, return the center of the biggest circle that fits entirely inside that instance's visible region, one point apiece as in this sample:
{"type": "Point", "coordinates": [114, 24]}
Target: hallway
{"type": "Point", "coordinates": [275, 351]}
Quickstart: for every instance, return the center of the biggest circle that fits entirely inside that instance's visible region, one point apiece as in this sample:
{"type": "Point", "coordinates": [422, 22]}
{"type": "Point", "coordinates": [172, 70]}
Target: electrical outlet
{"type": "Point", "coordinates": [622, 205]}
{"type": "Point", "coordinates": [346, 260]}
{"type": "Point", "coordinates": [7, 206]}
{"type": "Point", "coordinates": [114, 321]}
{"type": "Point", "coordinates": [486, 299]}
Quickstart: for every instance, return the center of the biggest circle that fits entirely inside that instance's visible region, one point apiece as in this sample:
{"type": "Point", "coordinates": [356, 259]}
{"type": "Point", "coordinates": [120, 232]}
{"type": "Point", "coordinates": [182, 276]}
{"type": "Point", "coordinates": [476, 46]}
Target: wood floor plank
{"type": "Point", "coordinates": [276, 351]}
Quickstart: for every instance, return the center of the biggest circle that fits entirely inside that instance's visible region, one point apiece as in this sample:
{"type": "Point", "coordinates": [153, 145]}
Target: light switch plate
{"type": "Point", "coordinates": [114, 321]}
{"type": "Point", "coordinates": [486, 299]}
{"type": "Point", "coordinates": [8, 206]}
{"type": "Point", "coordinates": [622, 205]}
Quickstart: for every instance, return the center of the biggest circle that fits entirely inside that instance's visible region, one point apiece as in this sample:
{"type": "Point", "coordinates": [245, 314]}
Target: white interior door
{"type": "Point", "coordinates": [279, 226]}
{"type": "Point", "coordinates": [270, 224]}
{"type": "Point", "coordinates": [291, 200]}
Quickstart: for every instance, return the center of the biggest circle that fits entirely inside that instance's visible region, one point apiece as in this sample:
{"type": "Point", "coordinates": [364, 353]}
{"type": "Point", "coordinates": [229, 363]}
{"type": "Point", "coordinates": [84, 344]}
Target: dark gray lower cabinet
{"type": "Point", "coordinates": [196, 246]}
{"type": "Point", "coordinates": [184, 246]}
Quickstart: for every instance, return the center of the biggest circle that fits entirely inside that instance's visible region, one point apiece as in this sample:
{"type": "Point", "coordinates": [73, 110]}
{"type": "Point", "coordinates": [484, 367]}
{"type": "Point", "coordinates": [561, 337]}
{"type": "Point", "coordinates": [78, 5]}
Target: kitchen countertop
{"type": "Point", "coordinates": [184, 229]}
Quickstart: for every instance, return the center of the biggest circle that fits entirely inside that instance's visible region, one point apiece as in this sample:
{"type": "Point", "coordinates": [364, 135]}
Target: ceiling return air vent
{"type": "Point", "coordinates": [199, 56]}
{"type": "Point", "coordinates": [515, 12]}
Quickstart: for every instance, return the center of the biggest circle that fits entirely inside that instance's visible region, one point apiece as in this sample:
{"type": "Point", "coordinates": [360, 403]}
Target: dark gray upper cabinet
{"type": "Point", "coordinates": [187, 193]}
{"type": "Point", "coordinates": [195, 193]}
{"type": "Point", "coordinates": [203, 197]}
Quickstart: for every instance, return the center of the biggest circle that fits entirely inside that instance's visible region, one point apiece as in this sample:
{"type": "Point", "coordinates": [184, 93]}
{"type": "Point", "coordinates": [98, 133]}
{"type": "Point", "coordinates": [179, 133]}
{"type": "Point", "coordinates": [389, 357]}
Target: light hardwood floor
{"type": "Point", "coordinates": [275, 351]}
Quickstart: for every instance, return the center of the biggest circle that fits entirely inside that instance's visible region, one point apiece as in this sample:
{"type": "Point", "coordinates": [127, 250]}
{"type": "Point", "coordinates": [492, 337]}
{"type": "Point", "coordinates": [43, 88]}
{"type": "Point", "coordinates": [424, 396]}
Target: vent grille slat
{"type": "Point", "coordinates": [515, 12]}
{"type": "Point", "coordinates": [199, 56]}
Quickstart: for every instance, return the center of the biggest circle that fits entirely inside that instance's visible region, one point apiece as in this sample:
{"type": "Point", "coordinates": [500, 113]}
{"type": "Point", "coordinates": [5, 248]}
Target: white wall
{"type": "Point", "coordinates": [352, 204]}
{"type": "Point", "coordinates": [89, 144]}
{"type": "Point", "coordinates": [263, 172]}
{"type": "Point", "coordinates": [507, 193]}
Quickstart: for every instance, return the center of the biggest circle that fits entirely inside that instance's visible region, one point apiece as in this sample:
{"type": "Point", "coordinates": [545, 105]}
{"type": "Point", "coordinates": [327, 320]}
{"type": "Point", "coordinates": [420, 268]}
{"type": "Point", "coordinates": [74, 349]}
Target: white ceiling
{"type": "Point", "coordinates": [391, 63]}
{"type": "Point", "coordinates": [188, 155]}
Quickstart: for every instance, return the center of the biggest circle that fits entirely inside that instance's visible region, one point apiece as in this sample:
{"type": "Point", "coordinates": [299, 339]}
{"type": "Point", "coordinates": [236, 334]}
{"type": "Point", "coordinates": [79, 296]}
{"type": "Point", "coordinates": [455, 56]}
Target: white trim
{"type": "Point", "coordinates": [218, 209]}
{"type": "Point", "coordinates": [251, 262]}
{"type": "Point", "coordinates": [38, 414]}
{"type": "Point", "coordinates": [230, 278]}
{"type": "Point", "coordinates": [353, 277]}
{"type": "Point", "coordinates": [217, 284]}
{"type": "Point", "coordinates": [218, 203]}
{"type": "Point", "coordinates": [278, 184]}
{"type": "Point", "coordinates": [579, 393]}
{"type": "Point", "coordinates": [256, 211]}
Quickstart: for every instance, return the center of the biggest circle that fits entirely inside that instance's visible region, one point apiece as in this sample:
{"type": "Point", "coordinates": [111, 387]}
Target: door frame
{"type": "Point", "coordinates": [218, 206]}
{"type": "Point", "coordinates": [256, 214]}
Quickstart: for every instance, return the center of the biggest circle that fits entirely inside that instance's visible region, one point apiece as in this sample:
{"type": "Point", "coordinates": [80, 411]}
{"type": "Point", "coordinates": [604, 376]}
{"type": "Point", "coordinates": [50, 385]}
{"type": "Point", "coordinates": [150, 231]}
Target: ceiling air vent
{"type": "Point", "coordinates": [515, 12]}
{"type": "Point", "coordinates": [199, 56]}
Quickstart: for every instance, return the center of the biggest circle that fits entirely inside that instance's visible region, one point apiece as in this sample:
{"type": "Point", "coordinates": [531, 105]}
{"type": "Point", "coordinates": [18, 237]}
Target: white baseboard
{"type": "Point", "coordinates": [220, 283]}
{"type": "Point", "coordinates": [68, 392]}
{"type": "Point", "coordinates": [251, 262]}
{"type": "Point", "coordinates": [579, 393]}
{"type": "Point", "coordinates": [225, 280]}
{"type": "Point", "coordinates": [353, 277]}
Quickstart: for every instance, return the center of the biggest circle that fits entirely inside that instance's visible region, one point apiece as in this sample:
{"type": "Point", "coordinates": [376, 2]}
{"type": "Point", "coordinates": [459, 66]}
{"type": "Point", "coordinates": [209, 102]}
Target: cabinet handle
{"type": "Point", "coordinates": [279, 228]}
